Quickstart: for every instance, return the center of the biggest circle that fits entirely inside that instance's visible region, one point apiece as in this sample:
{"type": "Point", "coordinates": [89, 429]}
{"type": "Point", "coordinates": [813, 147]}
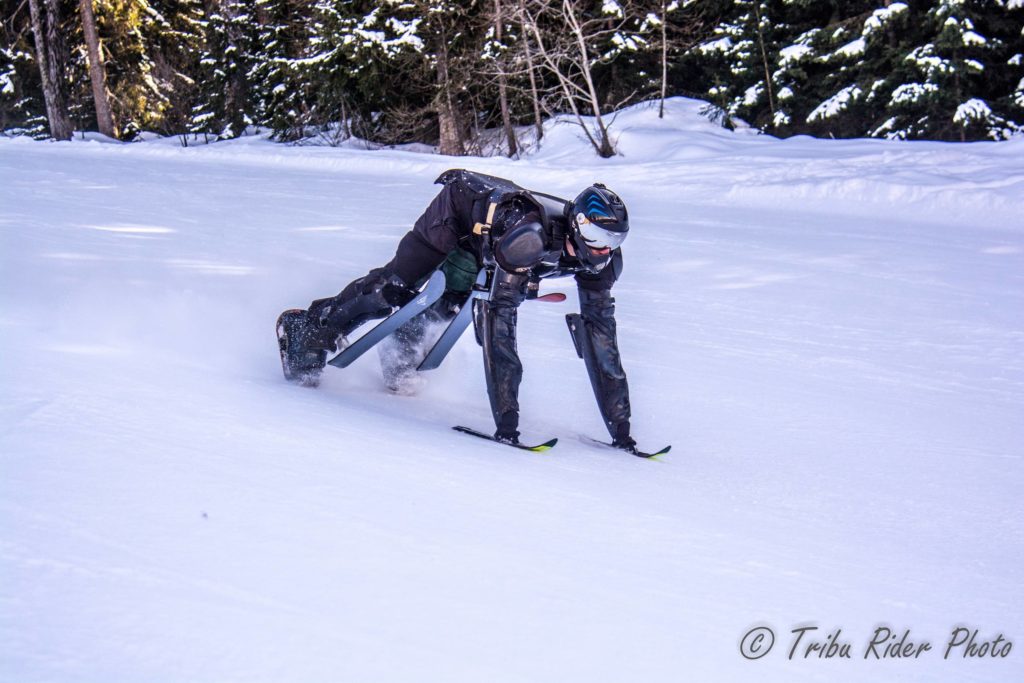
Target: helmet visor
{"type": "Point", "coordinates": [597, 237]}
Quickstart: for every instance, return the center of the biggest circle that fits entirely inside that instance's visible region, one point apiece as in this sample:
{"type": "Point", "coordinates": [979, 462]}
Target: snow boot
{"type": "Point", "coordinates": [303, 347]}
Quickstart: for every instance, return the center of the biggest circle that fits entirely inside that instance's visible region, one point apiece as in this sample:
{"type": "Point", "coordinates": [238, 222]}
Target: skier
{"type": "Point", "coordinates": [520, 237]}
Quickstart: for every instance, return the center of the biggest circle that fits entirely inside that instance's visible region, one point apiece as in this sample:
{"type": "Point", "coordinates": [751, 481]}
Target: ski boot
{"type": "Point", "coordinates": [303, 354]}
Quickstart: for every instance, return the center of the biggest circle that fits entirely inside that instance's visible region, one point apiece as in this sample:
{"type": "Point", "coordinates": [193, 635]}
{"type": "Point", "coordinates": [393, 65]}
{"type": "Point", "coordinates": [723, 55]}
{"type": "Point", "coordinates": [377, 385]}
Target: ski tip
{"type": "Point", "coordinates": [656, 455]}
{"type": "Point", "coordinates": [546, 446]}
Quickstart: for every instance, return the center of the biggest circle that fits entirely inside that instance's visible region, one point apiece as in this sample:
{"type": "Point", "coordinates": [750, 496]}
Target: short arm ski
{"type": "Point", "coordinates": [430, 293]}
{"type": "Point", "coordinates": [457, 326]}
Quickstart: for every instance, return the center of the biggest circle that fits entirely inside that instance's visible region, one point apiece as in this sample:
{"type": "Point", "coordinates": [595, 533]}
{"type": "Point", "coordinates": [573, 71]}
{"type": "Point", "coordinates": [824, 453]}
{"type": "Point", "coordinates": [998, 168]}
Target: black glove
{"type": "Point", "coordinates": [393, 290]}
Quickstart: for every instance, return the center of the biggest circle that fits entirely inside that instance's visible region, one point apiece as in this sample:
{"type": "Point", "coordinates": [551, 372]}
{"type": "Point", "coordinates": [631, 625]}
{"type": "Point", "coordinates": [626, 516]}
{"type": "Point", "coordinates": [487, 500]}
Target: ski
{"type": "Point", "coordinates": [430, 293]}
{"type": "Point", "coordinates": [462, 321]}
{"type": "Point", "coordinates": [539, 448]}
{"type": "Point", "coordinates": [457, 326]}
{"type": "Point", "coordinates": [631, 451]}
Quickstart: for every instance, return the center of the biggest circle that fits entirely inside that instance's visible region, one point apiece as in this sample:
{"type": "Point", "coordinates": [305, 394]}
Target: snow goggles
{"type": "Point", "coordinates": [597, 237]}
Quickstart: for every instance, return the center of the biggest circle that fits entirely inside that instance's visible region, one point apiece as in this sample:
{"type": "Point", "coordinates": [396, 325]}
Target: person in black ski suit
{"type": "Point", "coordinates": [483, 222]}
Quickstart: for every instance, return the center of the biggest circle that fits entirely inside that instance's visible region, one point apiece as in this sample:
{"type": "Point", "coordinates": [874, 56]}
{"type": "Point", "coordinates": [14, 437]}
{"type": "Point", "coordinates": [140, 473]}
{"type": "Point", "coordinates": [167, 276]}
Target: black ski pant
{"type": "Point", "coordinates": [375, 295]}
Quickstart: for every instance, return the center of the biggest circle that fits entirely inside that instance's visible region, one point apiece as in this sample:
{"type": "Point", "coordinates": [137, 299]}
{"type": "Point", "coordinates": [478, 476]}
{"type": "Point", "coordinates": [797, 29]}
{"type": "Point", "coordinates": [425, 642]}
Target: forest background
{"type": "Point", "coordinates": [480, 76]}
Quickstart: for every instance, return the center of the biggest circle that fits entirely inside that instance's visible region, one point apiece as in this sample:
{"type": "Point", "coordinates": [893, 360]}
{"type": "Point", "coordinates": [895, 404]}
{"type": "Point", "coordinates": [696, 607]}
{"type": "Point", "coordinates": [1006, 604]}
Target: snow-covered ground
{"type": "Point", "coordinates": [829, 333]}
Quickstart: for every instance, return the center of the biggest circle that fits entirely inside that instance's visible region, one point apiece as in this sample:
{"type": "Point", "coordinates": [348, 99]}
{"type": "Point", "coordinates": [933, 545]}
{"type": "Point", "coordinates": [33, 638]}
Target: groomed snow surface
{"type": "Point", "coordinates": [829, 334]}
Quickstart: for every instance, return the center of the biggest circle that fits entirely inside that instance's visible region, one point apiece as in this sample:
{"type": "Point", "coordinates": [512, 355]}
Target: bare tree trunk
{"type": "Point", "coordinates": [51, 55]}
{"type": "Point", "coordinates": [450, 142]}
{"type": "Point", "coordinates": [97, 71]}
{"type": "Point", "coordinates": [506, 119]}
{"type": "Point", "coordinates": [567, 87]}
{"type": "Point", "coordinates": [604, 148]}
{"type": "Point", "coordinates": [664, 59]}
{"type": "Point", "coordinates": [538, 122]}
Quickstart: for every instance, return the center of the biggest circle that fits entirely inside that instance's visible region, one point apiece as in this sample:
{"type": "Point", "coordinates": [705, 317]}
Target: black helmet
{"type": "Point", "coordinates": [600, 224]}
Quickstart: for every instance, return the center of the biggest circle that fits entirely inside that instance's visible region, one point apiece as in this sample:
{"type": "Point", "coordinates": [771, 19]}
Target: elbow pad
{"type": "Point", "coordinates": [521, 248]}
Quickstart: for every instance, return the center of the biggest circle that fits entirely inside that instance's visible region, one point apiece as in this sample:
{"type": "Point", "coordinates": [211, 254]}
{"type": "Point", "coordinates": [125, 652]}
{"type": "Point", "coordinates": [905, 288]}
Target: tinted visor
{"type": "Point", "coordinates": [597, 237]}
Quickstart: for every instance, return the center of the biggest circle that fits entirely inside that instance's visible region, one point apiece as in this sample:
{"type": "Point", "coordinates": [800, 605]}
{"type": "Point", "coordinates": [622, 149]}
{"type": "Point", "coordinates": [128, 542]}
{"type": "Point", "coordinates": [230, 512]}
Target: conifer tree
{"type": "Point", "coordinates": [279, 88]}
{"type": "Point", "coordinates": [742, 52]}
{"type": "Point", "coordinates": [846, 77]}
{"type": "Point", "coordinates": [224, 105]}
{"type": "Point", "coordinates": [8, 78]}
{"type": "Point", "coordinates": [21, 108]}
{"type": "Point", "coordinates": [371, 69]}
{"type": "Point", "coordinates": [955, 74]}
{"type": "Point", "coordinates": [444, 71]}
{"type": "Point", "coordinates": [329, 70]}
{"type": "Point", "coordinates": [173, 32]}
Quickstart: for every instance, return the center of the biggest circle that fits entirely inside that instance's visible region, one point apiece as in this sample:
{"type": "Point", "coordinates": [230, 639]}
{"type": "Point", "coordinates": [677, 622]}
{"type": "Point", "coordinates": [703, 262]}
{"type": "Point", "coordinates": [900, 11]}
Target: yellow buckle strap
{"type": "Point", "coordinates": [485, 228]}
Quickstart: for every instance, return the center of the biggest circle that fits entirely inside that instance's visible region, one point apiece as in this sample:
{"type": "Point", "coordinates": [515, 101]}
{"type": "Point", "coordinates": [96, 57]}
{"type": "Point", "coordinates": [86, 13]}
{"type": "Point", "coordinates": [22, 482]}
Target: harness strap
{"type": "Point", "coordinates": [485, 228]}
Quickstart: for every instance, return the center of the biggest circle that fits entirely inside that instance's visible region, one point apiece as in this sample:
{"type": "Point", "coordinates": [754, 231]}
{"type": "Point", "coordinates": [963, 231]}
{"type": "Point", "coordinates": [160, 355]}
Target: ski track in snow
{"type": "Point", "coordinates": [829, 334]}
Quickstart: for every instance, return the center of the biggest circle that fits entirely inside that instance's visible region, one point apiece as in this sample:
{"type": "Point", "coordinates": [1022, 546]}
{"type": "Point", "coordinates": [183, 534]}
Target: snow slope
{"type": "Point", "coordinates": [829, 333]}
